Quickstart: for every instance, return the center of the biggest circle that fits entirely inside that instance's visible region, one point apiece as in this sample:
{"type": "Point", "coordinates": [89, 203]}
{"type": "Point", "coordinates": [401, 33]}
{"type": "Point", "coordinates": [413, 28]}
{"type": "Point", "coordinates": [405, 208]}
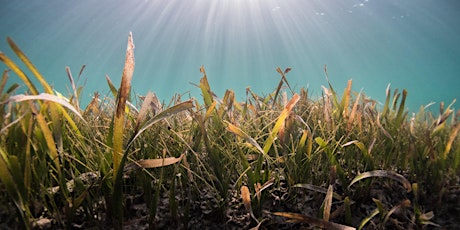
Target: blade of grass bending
{"type": "Point", "coordinates": [237, 131]}
{"type": "Point", "coordinates": [299, 218]}
{"type": "Point", "coordinates": [46, 97]}
{"type": "Point", "coordinates": [280, 122]}
{"type": "Point", "coordinates": [153, 163]}
{"type": "Point", "coordinates": [164, 114]}
{"type": "Point", "coordinates": [368, 218]}
{"type": "Point", "coordinates": [383, 173]}
{"type": "Point", "coordinates": [53, 108]}
{"type": "Point", "coordinates": [57, 132]}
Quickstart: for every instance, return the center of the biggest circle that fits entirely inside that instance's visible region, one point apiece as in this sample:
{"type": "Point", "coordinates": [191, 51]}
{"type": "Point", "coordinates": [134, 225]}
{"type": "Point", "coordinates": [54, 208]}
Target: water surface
{"type": "Point", "coordinates": [412, 44]}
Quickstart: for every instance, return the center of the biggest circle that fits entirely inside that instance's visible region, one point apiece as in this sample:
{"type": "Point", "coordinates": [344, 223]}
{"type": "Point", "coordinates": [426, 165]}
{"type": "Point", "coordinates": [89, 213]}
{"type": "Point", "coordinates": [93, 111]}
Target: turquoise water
{"type": "Point", "coordinates": [411, 44]}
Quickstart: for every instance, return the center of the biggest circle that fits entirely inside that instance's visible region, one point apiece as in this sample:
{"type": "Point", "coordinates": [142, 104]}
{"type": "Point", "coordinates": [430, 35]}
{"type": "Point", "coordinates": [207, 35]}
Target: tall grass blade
{"type": "Point", "coordinates": [115, 138]}
{"type": "Point", "coordinates": [119, 117]}
{"type": "Point", "coordinates": [452, 136]}
{"type": "Point", "coordinates": [327, 204]}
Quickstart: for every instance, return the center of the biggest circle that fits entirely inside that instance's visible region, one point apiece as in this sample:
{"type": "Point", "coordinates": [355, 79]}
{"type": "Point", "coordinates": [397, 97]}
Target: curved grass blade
{"type": "Point", "coordinates": [368, 218]}
{"type": "Point", "coordinates": [383, 173]}
{"type": "Point", "coordinates": [164, 114]}
{"type": "Point", "coordinates": [154, 163]}
{"type": "Point", "coordinates": [46, 97]}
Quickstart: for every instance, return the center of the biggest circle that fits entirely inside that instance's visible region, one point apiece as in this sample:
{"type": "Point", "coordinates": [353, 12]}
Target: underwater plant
{"type": "Point", "coordinates": [284, 160]}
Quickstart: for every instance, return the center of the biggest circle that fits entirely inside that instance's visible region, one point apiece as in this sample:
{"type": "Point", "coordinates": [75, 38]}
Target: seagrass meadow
{"type": "Point", "coordinates": [279, 161]}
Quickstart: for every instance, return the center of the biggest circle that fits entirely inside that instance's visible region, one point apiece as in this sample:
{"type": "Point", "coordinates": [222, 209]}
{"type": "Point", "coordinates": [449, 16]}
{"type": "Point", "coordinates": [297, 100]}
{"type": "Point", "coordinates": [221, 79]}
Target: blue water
{"type": "Point", "coordinates": [411, 44]}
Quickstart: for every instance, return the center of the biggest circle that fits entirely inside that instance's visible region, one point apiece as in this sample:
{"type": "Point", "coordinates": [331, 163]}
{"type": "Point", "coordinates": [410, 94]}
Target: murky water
{"type": "Point", "coordinates": [412, 44]}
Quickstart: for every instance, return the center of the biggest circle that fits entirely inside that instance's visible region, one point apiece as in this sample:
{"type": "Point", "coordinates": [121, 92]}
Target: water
{"type": "Point", "coordinates": [412, 44]}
